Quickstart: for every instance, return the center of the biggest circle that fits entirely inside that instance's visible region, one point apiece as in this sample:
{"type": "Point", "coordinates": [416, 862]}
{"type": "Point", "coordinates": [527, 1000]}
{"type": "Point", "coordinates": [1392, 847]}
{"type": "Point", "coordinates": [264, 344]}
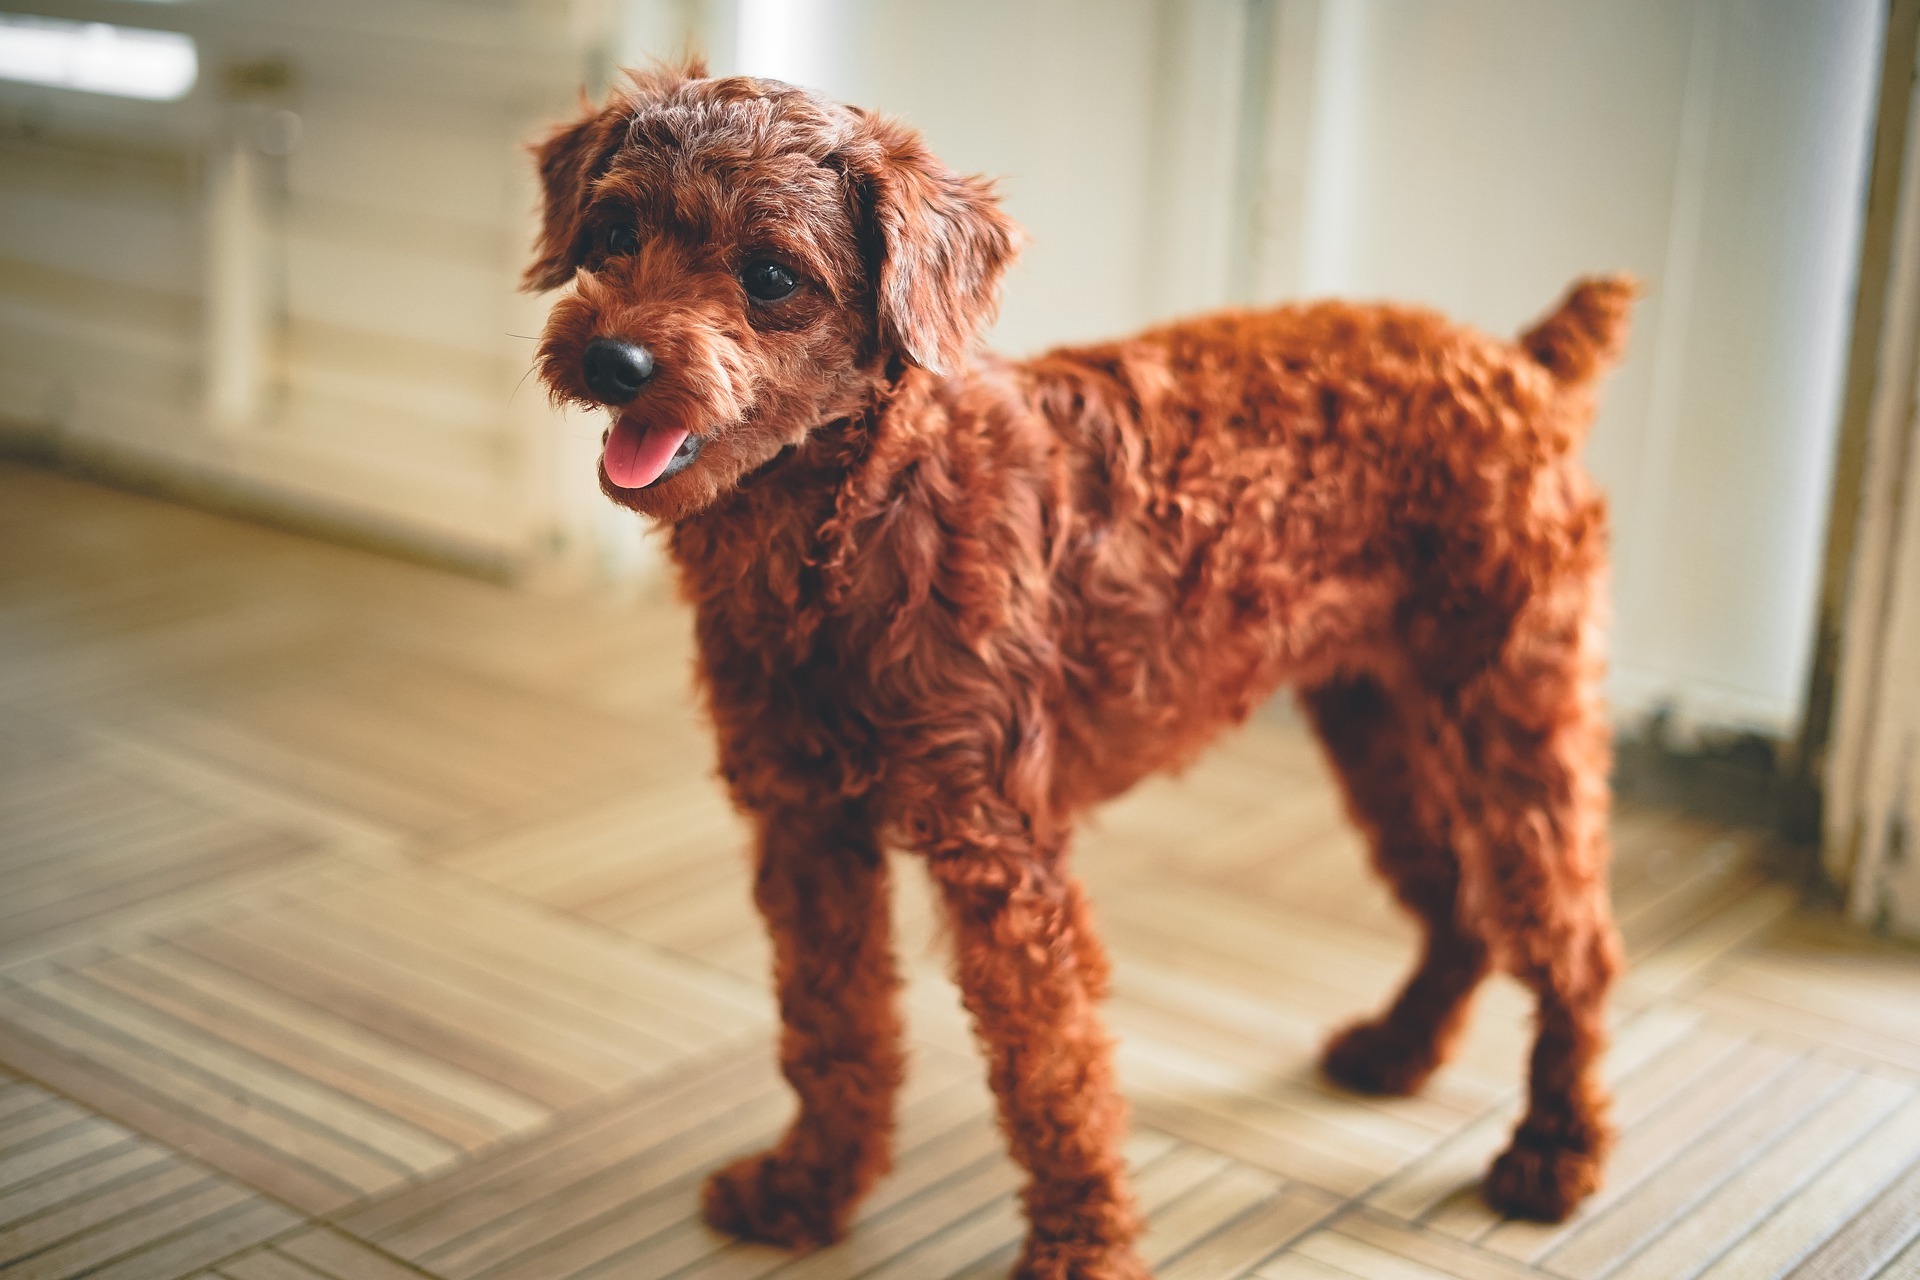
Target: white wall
{"type": "Point", "coordinates": [1475, 154]}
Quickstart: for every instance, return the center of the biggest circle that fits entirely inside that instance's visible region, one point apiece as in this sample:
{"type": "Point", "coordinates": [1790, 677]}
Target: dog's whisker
{"type": "Point", "coordinates": [531, 370]}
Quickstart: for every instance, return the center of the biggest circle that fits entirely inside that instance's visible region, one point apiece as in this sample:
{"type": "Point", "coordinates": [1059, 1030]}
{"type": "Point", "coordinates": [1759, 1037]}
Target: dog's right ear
{"type": "Point", "coordinates": [569, 159]}
{"type": "Point", "coordinates": [572, 156]}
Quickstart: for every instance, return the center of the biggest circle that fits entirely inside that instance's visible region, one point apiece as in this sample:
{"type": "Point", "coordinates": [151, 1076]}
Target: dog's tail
{"type": "Point", "coordinates": [1586, 333]}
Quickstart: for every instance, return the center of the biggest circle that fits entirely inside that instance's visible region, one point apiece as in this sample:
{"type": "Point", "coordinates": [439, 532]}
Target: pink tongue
{"type": "Point", "coordinates": [635, 456]}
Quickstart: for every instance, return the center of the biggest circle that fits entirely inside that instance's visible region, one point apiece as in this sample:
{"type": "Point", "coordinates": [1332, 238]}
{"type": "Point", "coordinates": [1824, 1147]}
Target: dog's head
{"type": "Point", "coordinates": [748, 261]}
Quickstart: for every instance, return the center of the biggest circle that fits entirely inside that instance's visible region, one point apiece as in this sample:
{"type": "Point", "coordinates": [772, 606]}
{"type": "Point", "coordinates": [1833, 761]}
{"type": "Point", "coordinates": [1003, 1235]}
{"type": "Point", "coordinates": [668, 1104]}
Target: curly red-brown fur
{"type": "Point", "coordinates": [947, 602]}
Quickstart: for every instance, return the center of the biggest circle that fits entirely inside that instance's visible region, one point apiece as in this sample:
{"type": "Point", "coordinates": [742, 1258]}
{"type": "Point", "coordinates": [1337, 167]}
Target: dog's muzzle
{"type": "Point", "coordinates": [615, 370]}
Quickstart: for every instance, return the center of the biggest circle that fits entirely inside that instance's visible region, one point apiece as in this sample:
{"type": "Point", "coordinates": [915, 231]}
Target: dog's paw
{"type": "Point", "coordinates": [1376, 1059]}
{"type": "Point", "coordinates": [774, 1201]}
{"type": "Point", "coordinates": [1543, 1179]}
{"type": "Point", "coordinates": [1074, 1260]}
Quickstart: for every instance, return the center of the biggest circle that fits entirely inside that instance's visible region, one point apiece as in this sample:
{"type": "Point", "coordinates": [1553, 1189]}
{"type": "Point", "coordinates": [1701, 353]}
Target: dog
{"type": "Point", "coordinates": [947, 602]}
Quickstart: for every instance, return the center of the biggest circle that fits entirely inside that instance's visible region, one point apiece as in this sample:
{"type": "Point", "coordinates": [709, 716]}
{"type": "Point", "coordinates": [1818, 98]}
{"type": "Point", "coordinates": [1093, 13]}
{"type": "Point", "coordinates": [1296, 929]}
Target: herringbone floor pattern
{"type": "Point", "coordinates": [361, 921]}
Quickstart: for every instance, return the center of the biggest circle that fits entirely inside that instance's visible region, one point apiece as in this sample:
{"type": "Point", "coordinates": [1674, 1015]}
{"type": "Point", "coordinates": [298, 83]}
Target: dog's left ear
{"type": "Point", "coordinates": [941, 241]}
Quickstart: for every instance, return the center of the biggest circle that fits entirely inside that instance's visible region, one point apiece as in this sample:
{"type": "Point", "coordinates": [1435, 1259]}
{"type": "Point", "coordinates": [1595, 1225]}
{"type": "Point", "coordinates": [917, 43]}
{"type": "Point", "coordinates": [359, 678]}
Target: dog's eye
{"type": "Point", "coordinates": [768, 281]}
{"type": "Point", "coordinates": [621, 240]}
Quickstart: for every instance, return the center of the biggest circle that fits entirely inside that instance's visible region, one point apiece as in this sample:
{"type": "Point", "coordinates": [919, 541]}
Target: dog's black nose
{"type": "Point", "coordinates": [616, 370]}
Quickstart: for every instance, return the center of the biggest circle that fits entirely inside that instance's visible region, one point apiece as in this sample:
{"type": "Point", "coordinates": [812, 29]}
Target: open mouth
{"type": "Point", "coordinates": [635, 456]}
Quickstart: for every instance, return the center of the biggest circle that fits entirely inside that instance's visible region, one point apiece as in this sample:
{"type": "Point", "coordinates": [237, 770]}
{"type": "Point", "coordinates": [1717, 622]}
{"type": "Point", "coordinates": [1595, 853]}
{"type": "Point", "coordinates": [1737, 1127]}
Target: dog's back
{"type": "Point", "coordinates": [1259, 498]}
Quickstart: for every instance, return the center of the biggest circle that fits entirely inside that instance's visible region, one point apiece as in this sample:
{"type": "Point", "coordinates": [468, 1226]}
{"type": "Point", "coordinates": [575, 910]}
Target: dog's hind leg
{"type": "Point", "coordinates": [1031, 972]}
{"type": "Point", "coordinates": [1383, 767]}
{"type": "Point", "coordinates": [1527, 752]}
{"type": "Point", "coordinates": [821, 883]}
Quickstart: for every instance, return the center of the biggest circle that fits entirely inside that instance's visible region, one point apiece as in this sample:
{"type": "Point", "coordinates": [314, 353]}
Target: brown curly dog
{"type": "Point", "coordinates": [948, 602]}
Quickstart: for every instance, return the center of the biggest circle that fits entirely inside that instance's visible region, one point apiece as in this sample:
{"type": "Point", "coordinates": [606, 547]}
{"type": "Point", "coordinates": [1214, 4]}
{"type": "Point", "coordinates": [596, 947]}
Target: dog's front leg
{"type": "Point", "coordinates": [1031, 972]}
{"type": "Point", "coordinates": [821, 884]}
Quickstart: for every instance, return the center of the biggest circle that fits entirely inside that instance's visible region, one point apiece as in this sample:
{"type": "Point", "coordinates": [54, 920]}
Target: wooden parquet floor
{"type": "Point", "coordinates": [360, 921]}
